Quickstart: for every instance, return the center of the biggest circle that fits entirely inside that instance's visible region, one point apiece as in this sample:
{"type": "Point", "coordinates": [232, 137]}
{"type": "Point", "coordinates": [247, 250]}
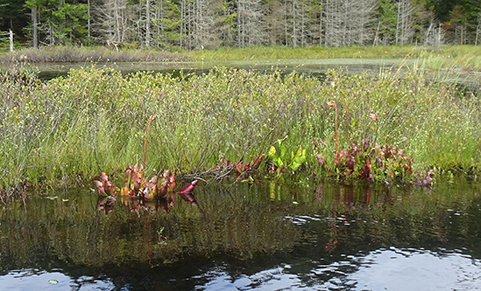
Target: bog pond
{"type": "Point", "coordinates": [270, 235]}
{"type": "Point", "coordinates": [312, 66]}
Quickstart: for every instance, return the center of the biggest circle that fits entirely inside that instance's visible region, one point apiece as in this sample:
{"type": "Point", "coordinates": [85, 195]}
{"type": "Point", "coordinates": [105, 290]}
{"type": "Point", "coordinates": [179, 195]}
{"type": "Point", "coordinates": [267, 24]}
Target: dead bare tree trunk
{"type": "Point", "coordinates": [89, 28]}
{"type": "Point", "coordinates": [113, 21]}
{"type": "Point", "coordinates": [147, 23]}
{"type": "Point", "coordinates": [404, 28]}
{"type": "Point", "coordinates": [347, 23]}
{"type": "Point", "coordinates": [376, 35]}
{"type": "Point", "coordinates": [35, 28]}
{"type": "Point", "coordinates": [250, 23]}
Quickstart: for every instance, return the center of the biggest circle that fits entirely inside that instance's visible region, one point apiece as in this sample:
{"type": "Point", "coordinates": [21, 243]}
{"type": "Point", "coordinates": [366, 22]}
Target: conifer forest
{"type": "Point", "coordinates": [209, 24]}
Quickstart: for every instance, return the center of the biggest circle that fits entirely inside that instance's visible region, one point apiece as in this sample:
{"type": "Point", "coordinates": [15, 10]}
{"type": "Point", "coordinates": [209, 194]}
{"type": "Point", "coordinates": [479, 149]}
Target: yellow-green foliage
{"type": "Point", "coordinates": [315, 52]}
{"type": "Point", "coordinates": [95, 120]}
{"type": "Point", "coordinates": [461, 56]}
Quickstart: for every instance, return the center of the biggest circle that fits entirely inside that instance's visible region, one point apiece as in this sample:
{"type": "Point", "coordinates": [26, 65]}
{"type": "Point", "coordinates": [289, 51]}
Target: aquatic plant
{"type": "Point", "coordinates": [104, 186]}
{"type": "Point", "coordinates": [333, 104]}
{"type": "Point", "coordinates": [68, 130]}
{"type": "Point", "coordinates": [371, 161]}
{"type": "Point", "coordinates": [464, 57]}
{"type": "Point", "coordinates": [367, 160]}
{"type": "Point", "coordinates": [137, 186]}
{"type": "Point", "coordinates": [314, 52]}
{"type": "Point", "coordinates": [280, 160]}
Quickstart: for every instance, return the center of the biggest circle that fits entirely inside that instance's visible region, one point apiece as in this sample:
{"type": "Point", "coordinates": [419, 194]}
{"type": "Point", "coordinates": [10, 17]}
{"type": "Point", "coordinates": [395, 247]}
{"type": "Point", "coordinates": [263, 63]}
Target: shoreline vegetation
{"type": "Point", "coordinates": [72, 54]}
{"type": "Point", "coordinates": [397, 127]}
{"type": "Point", "coordinates": [461, 57]}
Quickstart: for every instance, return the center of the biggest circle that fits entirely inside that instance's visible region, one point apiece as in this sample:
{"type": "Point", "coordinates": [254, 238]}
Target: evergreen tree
{"type": "Point", "coordinates": [59, 21]}
{"type": "Point", "coordinates": [387, 17]}
{"type": "Point", "coordinates": [166, 24]}
{"type": "Point", "coordinates": [14, 16]}
{"type": "Point", "coordinates": [197, 24]}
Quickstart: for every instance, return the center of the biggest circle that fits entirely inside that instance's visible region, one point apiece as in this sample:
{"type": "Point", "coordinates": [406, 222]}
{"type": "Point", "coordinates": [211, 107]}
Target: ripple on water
{"type": "Point", "coordinates": [32, 279]}
{"type": "Point", "coordinates": [384, 269]}
{"type": "Point", "coordinates": [303, 219]}
{"type": "Point", "coordinates": [396, 269]}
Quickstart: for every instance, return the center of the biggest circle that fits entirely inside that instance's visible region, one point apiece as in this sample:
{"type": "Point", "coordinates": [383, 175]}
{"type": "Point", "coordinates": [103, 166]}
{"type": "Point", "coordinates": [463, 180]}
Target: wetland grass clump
{"type": "Point", "coordinates": [459, 57]}
{"type": "Point", "coordinates": [72, 54]}
{"type": "Point", "coordinates": [70, 129]}
{"type": "Point", "coordinates": [315, 52]}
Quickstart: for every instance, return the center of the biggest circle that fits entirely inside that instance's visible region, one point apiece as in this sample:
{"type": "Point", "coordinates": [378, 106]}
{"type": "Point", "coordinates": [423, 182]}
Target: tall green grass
{"type": "Point", "coordinates": [95, 119]}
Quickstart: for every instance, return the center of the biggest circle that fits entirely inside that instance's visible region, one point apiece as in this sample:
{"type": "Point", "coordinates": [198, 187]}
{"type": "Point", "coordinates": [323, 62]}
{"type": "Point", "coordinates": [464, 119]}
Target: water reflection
{"type": "Point", "coordinates": [298, 236]}
{"type": "Point", "coordinates": [315, 67]}
{"type": "Point", "coordinates": [106, 204]}
{"type": "Point", "coordinates": [33, 279]}
{"type": "Point", "coordinates": [383, 269]}
{"type": "Point", "coordinates": [410, 269]}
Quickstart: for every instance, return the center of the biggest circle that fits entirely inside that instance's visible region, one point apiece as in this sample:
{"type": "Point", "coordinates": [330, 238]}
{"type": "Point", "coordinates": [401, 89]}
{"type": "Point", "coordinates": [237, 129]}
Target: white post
{"type": "Point", "coordinates": [11, 40]}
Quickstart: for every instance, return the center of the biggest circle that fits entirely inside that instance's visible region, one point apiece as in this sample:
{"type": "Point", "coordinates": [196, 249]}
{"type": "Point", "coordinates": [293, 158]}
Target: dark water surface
{"type": "Point", "coordinates": [466, 82]}
{"type": "Point", "coordinates": [267, 236]}
{"type": "Point", "coordinates": [307, 66]}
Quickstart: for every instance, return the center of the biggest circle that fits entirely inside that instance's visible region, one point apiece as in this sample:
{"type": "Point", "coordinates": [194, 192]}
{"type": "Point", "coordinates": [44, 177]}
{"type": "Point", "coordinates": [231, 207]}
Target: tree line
{"type": "Point", "coordinates": [198, 24]}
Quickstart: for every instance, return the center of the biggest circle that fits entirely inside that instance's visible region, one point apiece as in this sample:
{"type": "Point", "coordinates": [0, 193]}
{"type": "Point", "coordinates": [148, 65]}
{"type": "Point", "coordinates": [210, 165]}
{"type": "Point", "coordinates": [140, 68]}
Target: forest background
{"type": "Point", "coordinates": [209, 24]}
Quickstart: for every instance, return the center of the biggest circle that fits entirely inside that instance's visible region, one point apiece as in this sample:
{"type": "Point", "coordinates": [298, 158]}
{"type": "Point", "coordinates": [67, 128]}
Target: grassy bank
{"type": "Point", "coordinates": [71, 54]}
{"type": "Point", "coordinates": [95, 120]}
{"type": "Point", "coordinates": [463, 57]}
{"type": "Point", "coordinates": [276, 52]}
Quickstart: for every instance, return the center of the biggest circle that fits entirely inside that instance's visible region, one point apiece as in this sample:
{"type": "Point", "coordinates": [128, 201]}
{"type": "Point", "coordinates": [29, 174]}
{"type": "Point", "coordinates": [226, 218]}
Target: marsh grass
{"type": "Point", "coordinates": [70, 54]}
{"type": "Point", "coordinates": [316, 52]}
{"type": "Point", "coordinates": [69, 129]}
{"type": "Point", "coordinates": [463, 57]}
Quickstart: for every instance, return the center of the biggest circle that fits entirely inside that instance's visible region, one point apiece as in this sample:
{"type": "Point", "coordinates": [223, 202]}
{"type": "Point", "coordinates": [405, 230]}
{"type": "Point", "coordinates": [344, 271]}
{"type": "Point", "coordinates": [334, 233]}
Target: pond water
{"type": "Point", "coordinates": [467, 82]}
{"type": "Point", "coordinates": [310, 66]}
{"type": "Point", "coordinates": [271, 235]}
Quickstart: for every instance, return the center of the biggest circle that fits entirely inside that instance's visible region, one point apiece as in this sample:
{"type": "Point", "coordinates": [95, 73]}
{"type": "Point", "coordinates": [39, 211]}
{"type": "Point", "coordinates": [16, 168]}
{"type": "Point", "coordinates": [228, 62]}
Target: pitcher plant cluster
{"type": "Point", "coordinates": [138, 191]}
{"type": "Point", "coordinates": [366, 159]}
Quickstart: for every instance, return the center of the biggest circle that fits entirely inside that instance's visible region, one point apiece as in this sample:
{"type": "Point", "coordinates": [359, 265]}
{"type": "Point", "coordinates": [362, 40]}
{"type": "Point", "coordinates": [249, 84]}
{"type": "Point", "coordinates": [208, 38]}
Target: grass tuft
{"type": "Point", "coordinates": [69, 54]}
